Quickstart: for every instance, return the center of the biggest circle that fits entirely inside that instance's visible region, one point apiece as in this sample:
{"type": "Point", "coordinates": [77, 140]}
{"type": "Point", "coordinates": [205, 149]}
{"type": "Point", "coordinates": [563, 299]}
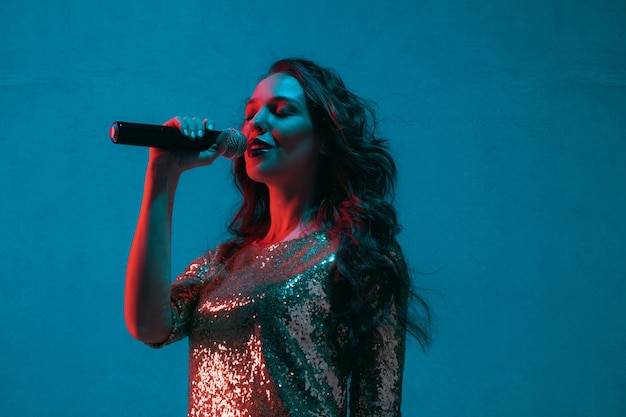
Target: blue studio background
{"type": "Point", "coordinates": [508, 121]}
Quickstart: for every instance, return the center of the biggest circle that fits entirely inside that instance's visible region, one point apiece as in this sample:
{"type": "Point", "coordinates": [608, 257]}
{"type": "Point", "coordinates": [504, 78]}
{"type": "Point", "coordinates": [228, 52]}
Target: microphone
{"type": "Point", "coordinates": [232, 145]}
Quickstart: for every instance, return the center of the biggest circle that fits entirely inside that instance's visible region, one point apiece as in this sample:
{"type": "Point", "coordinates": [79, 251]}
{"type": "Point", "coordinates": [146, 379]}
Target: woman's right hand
{"type": "Point", "coordinates": [180, 161]}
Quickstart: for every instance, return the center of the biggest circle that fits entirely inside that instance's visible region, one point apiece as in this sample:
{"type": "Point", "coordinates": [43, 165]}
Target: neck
{"type": "Point", "coordinates": [288, 216]}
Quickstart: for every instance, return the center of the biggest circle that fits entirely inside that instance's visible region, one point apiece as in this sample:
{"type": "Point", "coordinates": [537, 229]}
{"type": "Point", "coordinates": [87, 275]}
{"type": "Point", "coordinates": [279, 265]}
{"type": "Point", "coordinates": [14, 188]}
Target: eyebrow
{"type": "Point", "coordinates": [275, 99]}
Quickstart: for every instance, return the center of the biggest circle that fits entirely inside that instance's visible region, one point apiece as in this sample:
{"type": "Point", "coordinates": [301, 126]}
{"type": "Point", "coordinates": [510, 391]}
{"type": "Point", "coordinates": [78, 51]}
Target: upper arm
{"type": "Point", "coordinates": [184, 294]}
{"type": "Point", "coordinates": [376, 384]}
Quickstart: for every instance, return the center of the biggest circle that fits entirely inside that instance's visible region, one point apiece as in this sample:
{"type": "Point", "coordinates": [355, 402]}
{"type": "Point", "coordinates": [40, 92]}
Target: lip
{"type": "Point", "coordinates": [260, 143]}
{"type": "Point", "coordinates": [258, 147]}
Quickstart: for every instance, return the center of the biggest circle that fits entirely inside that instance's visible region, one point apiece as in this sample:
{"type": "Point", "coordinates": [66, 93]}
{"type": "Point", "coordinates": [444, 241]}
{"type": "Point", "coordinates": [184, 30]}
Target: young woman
{"type": "Point", "coordinates": [304, 312]}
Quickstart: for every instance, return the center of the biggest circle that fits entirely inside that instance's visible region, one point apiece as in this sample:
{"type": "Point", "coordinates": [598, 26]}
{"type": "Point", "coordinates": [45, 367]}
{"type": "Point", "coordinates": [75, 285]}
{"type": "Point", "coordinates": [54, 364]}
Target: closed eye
{"type": "Point", "coordinates": [282, 109]}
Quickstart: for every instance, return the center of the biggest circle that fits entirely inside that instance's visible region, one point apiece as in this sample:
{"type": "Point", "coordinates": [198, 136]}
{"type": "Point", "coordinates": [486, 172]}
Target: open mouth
{"type": "Point", "coordinates": [258, 147]}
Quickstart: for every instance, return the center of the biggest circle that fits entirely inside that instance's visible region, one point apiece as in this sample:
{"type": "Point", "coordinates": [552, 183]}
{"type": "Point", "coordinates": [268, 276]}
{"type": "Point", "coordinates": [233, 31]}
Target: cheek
{"type": "Point", "coordinates": [297, 144]}
{"type": "Point", "coordinates": [296, 138]}
{"type": "Point", "coordinates": [245, 129]}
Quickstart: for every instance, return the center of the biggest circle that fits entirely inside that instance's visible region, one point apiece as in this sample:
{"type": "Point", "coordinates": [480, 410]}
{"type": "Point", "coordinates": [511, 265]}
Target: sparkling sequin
{"type": "Point", "coordinates": [258, 326]}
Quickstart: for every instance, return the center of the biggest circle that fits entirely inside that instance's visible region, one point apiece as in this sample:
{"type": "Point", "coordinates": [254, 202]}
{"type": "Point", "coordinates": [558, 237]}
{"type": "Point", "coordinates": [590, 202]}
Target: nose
{"type": "Point", "coordinates": [259, 122]}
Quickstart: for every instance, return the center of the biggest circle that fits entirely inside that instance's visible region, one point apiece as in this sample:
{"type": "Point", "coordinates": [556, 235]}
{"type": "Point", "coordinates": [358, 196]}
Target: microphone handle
{"type": "Point", "coordinates": [162, 137]}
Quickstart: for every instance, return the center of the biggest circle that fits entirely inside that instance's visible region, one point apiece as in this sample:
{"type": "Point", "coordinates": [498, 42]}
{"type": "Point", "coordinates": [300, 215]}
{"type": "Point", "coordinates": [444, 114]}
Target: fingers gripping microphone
{"type": "Point", "coordinates": [232, 145]}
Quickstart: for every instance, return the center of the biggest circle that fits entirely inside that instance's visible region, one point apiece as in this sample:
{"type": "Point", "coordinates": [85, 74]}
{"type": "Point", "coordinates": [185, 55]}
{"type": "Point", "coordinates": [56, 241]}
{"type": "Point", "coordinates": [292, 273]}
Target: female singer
{"type": "Point", "coordinates": [304, 312]}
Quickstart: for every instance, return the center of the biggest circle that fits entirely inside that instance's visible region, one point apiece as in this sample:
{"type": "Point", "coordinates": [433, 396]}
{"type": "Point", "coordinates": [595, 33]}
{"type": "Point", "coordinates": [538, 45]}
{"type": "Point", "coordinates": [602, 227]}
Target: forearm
{"type": "Point", "coordinates": [148, 274]}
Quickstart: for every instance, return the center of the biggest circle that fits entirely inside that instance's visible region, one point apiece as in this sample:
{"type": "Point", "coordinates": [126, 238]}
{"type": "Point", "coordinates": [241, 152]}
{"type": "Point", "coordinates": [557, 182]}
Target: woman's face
{"type": "Point", "coordinates": [282, 148]}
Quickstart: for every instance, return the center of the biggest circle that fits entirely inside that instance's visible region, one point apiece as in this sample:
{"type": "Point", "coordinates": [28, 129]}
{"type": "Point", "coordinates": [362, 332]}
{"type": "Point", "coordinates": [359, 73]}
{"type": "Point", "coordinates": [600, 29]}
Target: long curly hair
{"type": "Point", "coordinates": [354, 202]}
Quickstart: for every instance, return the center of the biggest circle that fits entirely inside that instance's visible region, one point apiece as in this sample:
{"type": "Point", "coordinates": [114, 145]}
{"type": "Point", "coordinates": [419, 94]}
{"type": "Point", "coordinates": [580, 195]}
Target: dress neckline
{"type": "Point", "coordinates": [288, 240]}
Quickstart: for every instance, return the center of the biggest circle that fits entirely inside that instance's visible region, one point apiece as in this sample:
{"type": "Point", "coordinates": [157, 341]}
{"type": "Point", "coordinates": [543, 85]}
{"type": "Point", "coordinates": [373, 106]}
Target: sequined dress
{"type": "Point", "coordinates": [263, 340]}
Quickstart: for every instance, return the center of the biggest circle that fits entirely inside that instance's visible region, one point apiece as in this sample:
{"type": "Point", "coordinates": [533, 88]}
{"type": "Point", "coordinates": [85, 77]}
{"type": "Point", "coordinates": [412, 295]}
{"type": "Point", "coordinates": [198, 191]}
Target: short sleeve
{"type": "Point", "coordinates": [376, 384]}
{"type": "Point", "coordinates": [184, 293]}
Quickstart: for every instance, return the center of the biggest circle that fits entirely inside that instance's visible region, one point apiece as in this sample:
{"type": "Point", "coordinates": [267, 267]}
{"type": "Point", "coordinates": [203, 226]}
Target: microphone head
{"type": "Point", "coordinates": [233, 144]}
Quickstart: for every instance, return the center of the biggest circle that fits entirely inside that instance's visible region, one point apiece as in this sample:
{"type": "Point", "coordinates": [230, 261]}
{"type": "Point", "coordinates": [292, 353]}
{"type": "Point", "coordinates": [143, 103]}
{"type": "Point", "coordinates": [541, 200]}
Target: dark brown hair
{"type": "Point", "coordinates": [354, 201]}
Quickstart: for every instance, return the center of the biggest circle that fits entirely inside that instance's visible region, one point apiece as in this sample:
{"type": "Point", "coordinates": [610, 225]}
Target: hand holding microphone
{"type": "Point", "coordinates": [179, 135]}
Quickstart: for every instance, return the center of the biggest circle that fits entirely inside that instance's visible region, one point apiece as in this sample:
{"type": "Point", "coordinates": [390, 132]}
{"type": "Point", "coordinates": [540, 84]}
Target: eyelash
{"type": "Point", "coordinates": [274, 111]}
